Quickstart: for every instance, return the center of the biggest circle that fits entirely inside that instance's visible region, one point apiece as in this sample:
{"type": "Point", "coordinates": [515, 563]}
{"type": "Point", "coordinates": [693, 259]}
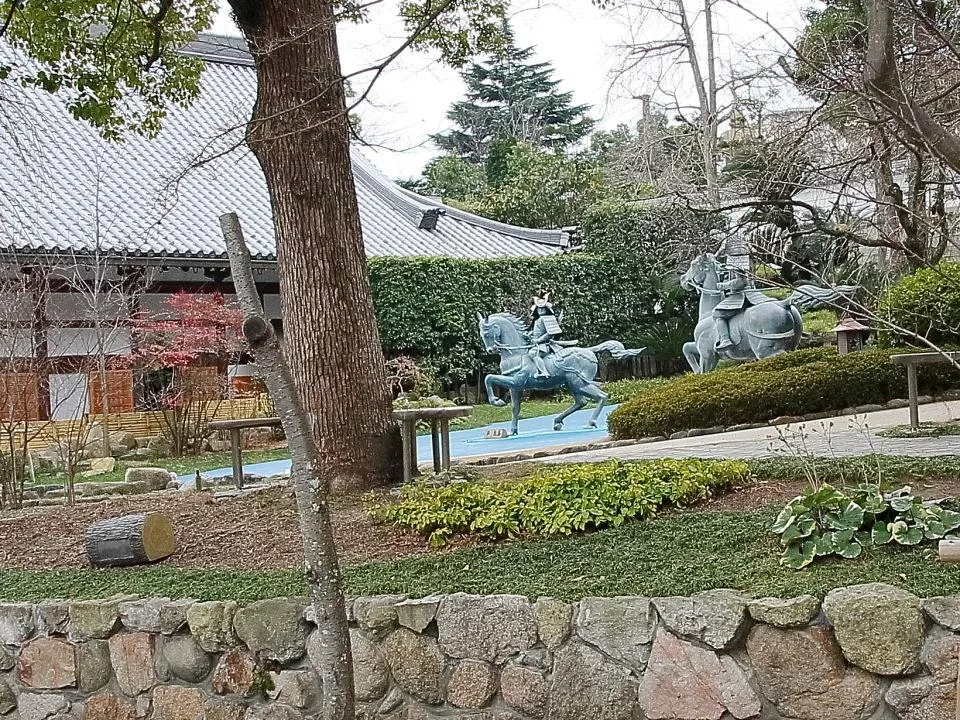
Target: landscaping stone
{"type": "Point", "coordinates": [472, 684]}
{"type": "Point", "coordinates": [391, 702]}
{"type": "Point", "coordinates": [132, 657]}
{"type": "Point", "coordinates": [879, 627]}
{"type": "Point", "coordinates": [786, 612]}
{"type": "Point", "coordinates": [34, 706]}
{"type": "Point", "coordinates": [8, 701]}
{"type": "Point", "coordinates": [417, 614]}
{"type": "Point", "coordinates": [274, 629]}
{"type": "Point", "coordinates": [553, 621]}
{"type": "Point", "coordinates": [216, 709]}
{"type": "Point", "coordinates": [153, 477]}
{"type": "Point", "coordinates": [47, 663]}
{"type": "Point", "coordinates": [93, 665]}
{"type": "Point", "coordinates": [897, 403]}
{"type": "Point", "coordinates": [585, 684]}
{"type": "Point", "coordinates": [17, 622]}
{"type": "Point", "coordinates": [53, 617]}
{"type": "Point", "coordinates": [698, 432]}
{"type": "Point", "coordinates": [99, 466]}
{"type": "Point", "coordinates": [621, 627]}
{"type": "Point", "coordinates": [786, 420]}
{"type": "Point", "coordinates": [273, 711]}
{"type": "Point", "coordinates": [211, 624]}
{"type": "Point", "coordinates": [123, 439]}
{"type": "Point", "coordinates": [803, 673]}
{"type": "Point", "coordinates": [416, 664]}
{"type": "Point", "coordinates": [298, 688]}
{"type": "Point", "coordinates": [173, 616]}
{"type": "Point", "coordinates": [678, 435]}
{"type": "Point", "coordinates": [93, 619]}
{"type": "Point", "coordinates": [108, 706]}
{"type": "Point", "coordinates": [371, 675]}
{"type": "Point", "coordinates": [944, 611]}
{"type": "Point", "coordinates": [142, 615]}
{"type": "Point", "coordinates": [235, 674]}
{"type": "Point", "coordinates": [687, 682]}
{"type": "Point", "coordinates": [7, 659]}
{"type": "Point", "coordinates": [933, 695]}
{"type": "Point", "coordinates": [172, 702]}
{"type": "Point", "coordinates": [714, 618]}
{"type": "Point", "coordinates": [524, 689]}
{"type": "Point", "coordinates": [485, 627]}
{"type": "Point", "coordinates": [377, 615]}
{"type": "Point", "coordinates": [183, 658]}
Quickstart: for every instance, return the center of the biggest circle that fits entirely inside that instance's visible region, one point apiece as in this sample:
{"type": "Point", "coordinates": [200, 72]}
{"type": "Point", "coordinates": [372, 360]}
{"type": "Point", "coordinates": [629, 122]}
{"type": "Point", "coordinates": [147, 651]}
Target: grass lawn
{"type": "Point", "coordinates": [677, 554]}
{"type": "Point", "coordinates": [725, 544]}
{"type": "Point", "coordinates": [931, 429]}
{"type": "Point", "coordinates": [181, 466]}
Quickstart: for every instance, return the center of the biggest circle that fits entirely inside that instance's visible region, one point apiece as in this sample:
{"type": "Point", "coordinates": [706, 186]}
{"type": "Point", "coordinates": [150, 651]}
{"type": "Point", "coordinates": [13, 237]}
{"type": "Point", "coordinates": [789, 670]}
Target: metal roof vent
{"type": "Point", "coordinates": [429, 218]}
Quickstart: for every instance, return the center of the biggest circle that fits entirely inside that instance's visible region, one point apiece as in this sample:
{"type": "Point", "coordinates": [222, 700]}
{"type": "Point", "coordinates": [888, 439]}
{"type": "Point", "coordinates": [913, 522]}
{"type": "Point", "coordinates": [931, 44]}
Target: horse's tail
{"type": "Point", "coordinates": [812, 297]}
{"type": "Point", "coordinates": [616, 349]}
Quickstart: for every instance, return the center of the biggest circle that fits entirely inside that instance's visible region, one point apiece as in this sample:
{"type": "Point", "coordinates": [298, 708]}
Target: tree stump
{"type": "Point", "coordinates": [130, 540]}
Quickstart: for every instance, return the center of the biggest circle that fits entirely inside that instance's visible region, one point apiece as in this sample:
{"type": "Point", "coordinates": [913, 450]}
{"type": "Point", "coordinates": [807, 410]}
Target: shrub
{"type": "Point", "coordinates": [797, 383]}
{"type": "Point", "coordinates": [558, 500]}
{"type": "Point", "coordinates": [828, 521]}
{"type": "Point", "coordinates": [622, 390]}
{"type": "Point", "coordinates": [926, 302]}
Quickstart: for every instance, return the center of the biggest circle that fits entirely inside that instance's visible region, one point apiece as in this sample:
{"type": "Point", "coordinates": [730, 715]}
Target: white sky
{"type": "Point", "coordinates": [410, 100]}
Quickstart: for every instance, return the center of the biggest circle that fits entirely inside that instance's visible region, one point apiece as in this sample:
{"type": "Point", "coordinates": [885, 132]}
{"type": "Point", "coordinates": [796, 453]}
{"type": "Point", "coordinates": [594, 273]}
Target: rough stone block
{"type": "Point", "coordinates": [553, 621]}
{"type": "Point", "coordinates": [211, 624]}
{"type": "Point", "coordinates": [173, 616]}
{"type": "Point", "coordinates": [472, 684]}
{"type": "Point", "coordinates": [173, 702]}
{"type": "Point", "coordinates": [377, 615]}
{"type": "Point", "coordinates": [93, 665]}
{"type": "Point", "coordinates": [132, 657]}
{"type": "Point", "coordinates": [371, 675]}
{"type": "Point", "coordinates": [524, 689]}
{"type": "Point", "coordinates": [93, 619]}
{"type": "Point", "coordinates": [274, 629]}
{"type": "Point", "coordinates": [416, 664]}
{"type": "Point", "coordinates": [417, 614]}
{"type": "Point", "coordinates": [621, 627]}
{"type": "Point", "coordinates": [586, 684]}
{"type": "Point", "coordinates": [491, 627]}
{"type": "Point", "coordinates": [235, 674]}
{"type": "Point", "coordinates": [18, 622]}
{"type": "Point", "coordinates": [786, 612]}
{"type": "Point", "coordinates": [879, 627]}
{"type": "Point", "coordinates": [37, 706]}
{"type": "Point", "coordinates": [48, 664]}
{"type": "Point", "coordinates": [714, 618]}
{"type": "Point", "coordinates": [142, 615]}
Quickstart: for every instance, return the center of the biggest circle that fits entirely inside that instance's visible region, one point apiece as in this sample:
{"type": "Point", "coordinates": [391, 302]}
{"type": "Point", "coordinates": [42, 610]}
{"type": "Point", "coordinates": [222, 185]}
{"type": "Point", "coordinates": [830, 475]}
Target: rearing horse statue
{"type": "Point", "coordinates": [761, 330]}
{"type": "Point", "coordinates": [575, 367]}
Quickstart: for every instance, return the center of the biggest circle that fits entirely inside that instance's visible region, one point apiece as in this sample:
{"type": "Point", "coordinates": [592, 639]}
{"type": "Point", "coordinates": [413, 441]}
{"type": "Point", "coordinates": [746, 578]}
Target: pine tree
{"type": "Point", "coordinates": [511, 98]}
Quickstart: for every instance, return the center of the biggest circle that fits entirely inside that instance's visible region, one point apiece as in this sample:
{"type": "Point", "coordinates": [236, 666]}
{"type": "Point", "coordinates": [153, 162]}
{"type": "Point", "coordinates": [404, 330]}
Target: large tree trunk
{"type": "Point", "coordinates": [300, 134]}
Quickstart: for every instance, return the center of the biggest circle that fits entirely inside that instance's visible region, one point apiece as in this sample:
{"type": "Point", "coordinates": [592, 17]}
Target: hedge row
{"type": "Point", "coordinates": [559, 500]}
{"type": "Point", "coordinates": [926, 303]}
{"type": "Point", "coordinates": [798, 383]}
{"type": "Point", "coordinates": [618, 288]}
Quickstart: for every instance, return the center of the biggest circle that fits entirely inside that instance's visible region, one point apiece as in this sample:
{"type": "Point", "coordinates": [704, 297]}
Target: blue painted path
{"type": "Point", "coordinates": [535, 434]}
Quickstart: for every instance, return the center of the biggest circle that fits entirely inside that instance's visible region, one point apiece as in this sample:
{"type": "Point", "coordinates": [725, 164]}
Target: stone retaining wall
{"type": "Point", "coordinates": [870, 651]}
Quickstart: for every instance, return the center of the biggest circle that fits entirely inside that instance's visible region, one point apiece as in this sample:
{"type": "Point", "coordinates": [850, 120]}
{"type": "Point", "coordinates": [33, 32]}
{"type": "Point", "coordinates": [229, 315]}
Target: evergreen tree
{"type": "Point", "coordinates": [511, 98]}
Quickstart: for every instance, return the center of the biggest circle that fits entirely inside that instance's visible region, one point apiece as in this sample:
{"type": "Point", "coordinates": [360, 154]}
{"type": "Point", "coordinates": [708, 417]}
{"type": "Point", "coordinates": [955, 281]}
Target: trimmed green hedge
{"type": "Point", "coordinates": [797, 383]}
{"type": "Point", "coordinates": [559, 500]}
{"type": "Point", "coordinates": [618, 288]}
{"type": "Point", "coordinates": [927, 303]}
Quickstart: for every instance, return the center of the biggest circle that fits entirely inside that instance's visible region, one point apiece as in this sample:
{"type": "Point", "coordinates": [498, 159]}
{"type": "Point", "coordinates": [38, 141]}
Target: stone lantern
{"type": "Point", "coordinates": [851, 335]}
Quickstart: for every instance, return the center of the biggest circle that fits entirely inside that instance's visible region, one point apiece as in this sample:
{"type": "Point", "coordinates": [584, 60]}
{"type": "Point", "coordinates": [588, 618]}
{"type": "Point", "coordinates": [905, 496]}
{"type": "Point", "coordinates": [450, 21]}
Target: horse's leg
{"type": "Point", "coordinates": [578, 402]}
{"type": "Point", "coordinates": [501, 380]}
{"type": "Point", "coordinates": [692, 354]}
{"type": "Point", "coordinates": [516, 396]}
{"type": "Point", "coordinates": [595, 393]}
{"type": "Point", "coordinates": [708, 352]}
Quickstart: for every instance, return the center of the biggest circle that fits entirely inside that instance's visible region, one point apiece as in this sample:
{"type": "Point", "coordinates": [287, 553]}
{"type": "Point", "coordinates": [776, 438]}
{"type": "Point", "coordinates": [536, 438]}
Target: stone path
{"type": "Point", "coordinates": [848, 436]}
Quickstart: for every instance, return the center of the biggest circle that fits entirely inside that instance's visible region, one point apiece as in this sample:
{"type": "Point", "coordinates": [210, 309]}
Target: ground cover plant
{"type": "Point", "coordinates": [559, 499]}
{"type": "Point", "coordinates": [724, 542]}
{"type": "Point", "coordinates": [801, 382]}
{"type": "Point", "coordinates": [931, 429]}
{"type": "Point", "coordinates": [845, 521]}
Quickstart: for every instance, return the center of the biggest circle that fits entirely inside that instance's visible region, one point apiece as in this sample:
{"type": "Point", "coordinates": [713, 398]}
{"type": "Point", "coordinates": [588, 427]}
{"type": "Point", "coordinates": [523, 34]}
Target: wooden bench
{"type": "Point", "coordinates": [439, 419]}
{"type": "Point", "coordinates": [234, 427]}
{"type": "Point", "coordinates": [912, 360]}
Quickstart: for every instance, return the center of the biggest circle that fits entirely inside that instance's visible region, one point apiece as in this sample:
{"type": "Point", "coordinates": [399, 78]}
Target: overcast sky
{"type": "Point", "coordinates": [583, 43]}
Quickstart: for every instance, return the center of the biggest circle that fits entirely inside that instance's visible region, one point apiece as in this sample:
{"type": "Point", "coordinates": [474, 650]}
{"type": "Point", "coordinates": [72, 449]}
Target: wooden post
{"type": "Point", "coordinates": [435, 442]}
{"type": "Point", "coordinates": [949, 551]}
{"type": "Point", "coordinates": [912, 394]}
{"type": "Point", "coordinates": [408, 452]}
{"type": "Point", "coordinates": [445, 443]}
{"type": "Point", "coordinates": [236, 457]}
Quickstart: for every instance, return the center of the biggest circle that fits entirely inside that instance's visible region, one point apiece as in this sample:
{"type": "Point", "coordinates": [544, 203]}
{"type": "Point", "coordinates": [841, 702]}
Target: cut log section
{"type": "Point", "coordinates": [130, 540]}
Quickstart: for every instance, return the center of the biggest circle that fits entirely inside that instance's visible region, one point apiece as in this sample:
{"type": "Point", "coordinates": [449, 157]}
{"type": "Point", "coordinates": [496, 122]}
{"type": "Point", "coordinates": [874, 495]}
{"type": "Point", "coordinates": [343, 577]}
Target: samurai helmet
{"type": "Point", "coordinates": [541, 301]}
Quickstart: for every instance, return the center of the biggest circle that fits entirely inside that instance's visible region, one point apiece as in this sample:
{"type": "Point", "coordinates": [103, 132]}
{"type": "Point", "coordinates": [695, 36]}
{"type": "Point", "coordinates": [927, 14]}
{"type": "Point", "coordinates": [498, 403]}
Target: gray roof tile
{"type": "Point", "coordinates": [65, 189]}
